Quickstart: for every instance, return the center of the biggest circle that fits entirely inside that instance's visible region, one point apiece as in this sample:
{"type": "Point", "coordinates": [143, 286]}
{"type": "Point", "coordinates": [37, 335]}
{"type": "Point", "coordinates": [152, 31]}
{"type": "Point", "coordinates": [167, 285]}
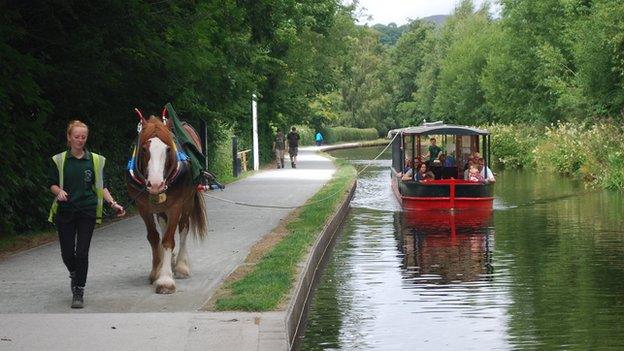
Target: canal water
{"type": "Point", "coordinates": [544, 272]}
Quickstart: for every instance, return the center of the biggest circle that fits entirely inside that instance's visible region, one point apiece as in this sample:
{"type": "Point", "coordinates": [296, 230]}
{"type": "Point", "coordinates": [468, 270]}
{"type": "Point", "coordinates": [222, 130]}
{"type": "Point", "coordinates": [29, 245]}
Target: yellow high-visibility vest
{"type": "Point", "coordinates": [98, 167]}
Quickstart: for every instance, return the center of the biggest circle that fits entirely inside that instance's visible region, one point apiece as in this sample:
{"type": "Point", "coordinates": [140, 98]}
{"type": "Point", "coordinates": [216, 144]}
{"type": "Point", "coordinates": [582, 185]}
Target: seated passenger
{"type": "Point", "coordinates": [442, 158]}
{"type": "Point", "coordinates": [469, 165]}
{"type": "Point", "coordinates": [409, 175]}
{"type": "Point", "coordinates": [436, 169]}
{"type": "Point", "coordinates": [408, 165]}
{"type": "Point", "coordinates": [474, 157]}
{"type": "Point", "coordinates": [449, 161]}
{"type": "Point", "coordinates": [474, 175]}
{"type": "Point", "coordinates": [408, 172]}
{"type": "Point", "coordinates": [486, 170]}
{"type": "Point", "coordinates": [423, 173]}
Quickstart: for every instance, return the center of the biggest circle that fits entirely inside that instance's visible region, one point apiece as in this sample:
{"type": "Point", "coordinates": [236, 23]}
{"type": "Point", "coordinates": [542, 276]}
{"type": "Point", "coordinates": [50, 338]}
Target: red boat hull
{"type": "Point", "coordinates": [442, 202]}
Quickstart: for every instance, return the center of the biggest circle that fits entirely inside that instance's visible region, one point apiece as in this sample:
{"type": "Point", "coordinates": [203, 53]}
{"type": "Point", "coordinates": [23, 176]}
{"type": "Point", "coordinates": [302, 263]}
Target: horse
{"type": "Point", "coordinates": [160, 181]}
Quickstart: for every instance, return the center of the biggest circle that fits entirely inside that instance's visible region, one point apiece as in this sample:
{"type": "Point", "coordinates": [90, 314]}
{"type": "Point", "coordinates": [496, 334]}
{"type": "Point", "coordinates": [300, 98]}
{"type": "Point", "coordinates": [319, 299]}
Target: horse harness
{"type": "Point", "coordinates": [180, 166]}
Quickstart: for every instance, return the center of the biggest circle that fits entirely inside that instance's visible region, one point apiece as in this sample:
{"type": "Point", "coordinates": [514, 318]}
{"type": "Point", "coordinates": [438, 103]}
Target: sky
{"type": "Point", "coordinates": [400, 11]}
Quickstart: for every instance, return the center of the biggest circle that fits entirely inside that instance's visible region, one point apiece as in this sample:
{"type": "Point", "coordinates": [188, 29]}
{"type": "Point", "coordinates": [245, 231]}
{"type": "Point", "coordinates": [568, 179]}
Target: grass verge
{"type": "Point", "coordinates": [266, 282]}
{"type": "Point", "coordinates": [15, 243]}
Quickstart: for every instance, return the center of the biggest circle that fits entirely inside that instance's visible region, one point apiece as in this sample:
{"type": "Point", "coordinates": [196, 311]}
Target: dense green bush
{"type": "Point", "coordinates": [592, 152]}
{"type": "Point", "coordinates": [512, 147]}
{"type": "Point", "coordinates": [221, 164]}
{"type": "Point", "coordinates": [561, 149]}
{"type": "Point", "coordinates": [342, 134]}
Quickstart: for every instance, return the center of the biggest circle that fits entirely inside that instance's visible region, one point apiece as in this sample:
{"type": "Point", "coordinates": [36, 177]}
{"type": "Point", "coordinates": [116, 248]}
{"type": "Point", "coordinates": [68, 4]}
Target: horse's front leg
{"type": "Point", "coordinates": [165, 283]}
{"type": "Point", "coordinates": [182, 268]}
{"type": "Point", "coordinates": [154, 239]}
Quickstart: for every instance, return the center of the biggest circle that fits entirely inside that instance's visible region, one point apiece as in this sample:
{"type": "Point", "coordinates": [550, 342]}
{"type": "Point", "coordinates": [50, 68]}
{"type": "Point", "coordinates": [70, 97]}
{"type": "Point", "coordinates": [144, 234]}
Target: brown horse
{"type": "Point", "coordinates": [160, 182]}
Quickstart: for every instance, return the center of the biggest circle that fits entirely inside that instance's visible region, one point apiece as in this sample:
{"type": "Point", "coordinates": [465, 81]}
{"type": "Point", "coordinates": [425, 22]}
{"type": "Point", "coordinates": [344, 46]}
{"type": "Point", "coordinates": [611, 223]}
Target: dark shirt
{"type": "Point", "coordinates": [293, 139]}
{"type": "Point", "coordinates": [433, 152]}
{"type": "Point", "coordinates": [79, 182]}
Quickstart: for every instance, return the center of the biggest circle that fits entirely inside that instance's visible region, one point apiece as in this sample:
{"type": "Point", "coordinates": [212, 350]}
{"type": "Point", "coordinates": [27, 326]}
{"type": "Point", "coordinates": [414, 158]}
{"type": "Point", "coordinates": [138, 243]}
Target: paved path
{"type": "Point", "coordinates": [122, 312]}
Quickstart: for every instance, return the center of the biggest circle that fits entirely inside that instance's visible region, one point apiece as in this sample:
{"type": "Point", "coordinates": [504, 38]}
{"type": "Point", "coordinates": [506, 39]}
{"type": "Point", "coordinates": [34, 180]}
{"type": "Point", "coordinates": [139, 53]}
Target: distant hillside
{"type": "Point", "coordinates": [437, 19]}
{"type": "Point", "coordinates": [390, 34]}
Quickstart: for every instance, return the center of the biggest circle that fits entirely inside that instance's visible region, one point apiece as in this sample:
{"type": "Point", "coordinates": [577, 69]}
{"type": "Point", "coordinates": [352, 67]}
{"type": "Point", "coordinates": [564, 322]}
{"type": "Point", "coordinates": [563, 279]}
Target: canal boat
{"type": "Point", "coordinates": [445, 188]}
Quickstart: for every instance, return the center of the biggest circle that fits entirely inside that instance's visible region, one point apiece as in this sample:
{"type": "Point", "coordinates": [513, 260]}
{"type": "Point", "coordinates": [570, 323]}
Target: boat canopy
{"type": "Point", "coordinates": [438, 128]}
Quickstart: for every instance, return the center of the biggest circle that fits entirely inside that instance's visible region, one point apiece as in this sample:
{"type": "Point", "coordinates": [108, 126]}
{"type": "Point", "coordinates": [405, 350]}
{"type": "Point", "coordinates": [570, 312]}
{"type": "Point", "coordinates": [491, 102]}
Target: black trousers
{"type": "Point", "coordinates": [75, 230]}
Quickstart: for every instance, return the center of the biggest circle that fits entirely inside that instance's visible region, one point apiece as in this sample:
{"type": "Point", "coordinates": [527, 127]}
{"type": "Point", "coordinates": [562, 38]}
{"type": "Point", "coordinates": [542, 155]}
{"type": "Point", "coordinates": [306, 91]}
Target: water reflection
{"type": "Point", "coordinates": [441, 247]}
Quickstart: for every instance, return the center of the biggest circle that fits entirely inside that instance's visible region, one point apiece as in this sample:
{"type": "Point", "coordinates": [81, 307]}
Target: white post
{"type": "Point", "coordinates": [254, 113]}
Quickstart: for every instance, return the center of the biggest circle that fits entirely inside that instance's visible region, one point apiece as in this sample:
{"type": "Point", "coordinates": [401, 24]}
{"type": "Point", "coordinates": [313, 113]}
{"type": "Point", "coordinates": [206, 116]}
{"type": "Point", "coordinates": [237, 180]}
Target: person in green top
{"type": "Point", "coordinates": [279, 145]}
{"type": "Point", "coordinates": [434, 150]}
{"type": "Point", "coordinates": [77, 181]}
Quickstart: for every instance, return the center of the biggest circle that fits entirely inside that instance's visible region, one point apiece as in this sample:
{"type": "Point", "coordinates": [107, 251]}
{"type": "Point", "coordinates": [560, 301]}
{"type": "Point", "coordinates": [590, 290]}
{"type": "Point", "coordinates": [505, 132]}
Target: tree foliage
{"type": "Point", "coordinates": [97, 60]}
{"type": "Point", "coordinates": [308, 62]}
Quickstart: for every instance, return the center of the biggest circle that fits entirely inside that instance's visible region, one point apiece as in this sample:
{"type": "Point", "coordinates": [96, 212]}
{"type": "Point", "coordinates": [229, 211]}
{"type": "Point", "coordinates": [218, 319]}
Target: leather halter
{"type": "Point", "coordinates": [181, 166]}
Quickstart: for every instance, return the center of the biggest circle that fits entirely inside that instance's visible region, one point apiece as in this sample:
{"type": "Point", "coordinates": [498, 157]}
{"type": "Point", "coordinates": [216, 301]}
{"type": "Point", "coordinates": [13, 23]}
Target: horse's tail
{"type": "Point", "coordinates": [198, 222]}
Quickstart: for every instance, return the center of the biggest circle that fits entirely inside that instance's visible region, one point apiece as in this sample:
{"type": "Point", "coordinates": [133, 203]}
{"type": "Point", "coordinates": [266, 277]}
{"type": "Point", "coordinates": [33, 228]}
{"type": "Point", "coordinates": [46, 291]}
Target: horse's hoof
{"type": "Point", "coordinates": [182, 272]}
{"type": "Point", "coordinates": [165, 289]}
{"type": "Point", "coordinates": [182, 275]}
{"type": "Point", "coordinates": [165, 286]}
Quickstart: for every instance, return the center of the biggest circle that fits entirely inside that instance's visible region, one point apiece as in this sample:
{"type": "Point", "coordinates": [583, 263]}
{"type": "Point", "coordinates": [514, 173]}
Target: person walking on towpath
{"type": "Point", "coordinates": [279, 145]}
{"type": "Point", "coordinates": [77, 181]}
{"type": "Point", "coordinates": [318, 138]}
{"type": "Point", "coordinates": [293, 146]}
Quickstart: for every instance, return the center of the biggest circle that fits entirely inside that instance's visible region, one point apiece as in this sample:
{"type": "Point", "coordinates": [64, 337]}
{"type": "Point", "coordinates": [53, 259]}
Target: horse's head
{"type": "Point", "coordinates": [156, 158]}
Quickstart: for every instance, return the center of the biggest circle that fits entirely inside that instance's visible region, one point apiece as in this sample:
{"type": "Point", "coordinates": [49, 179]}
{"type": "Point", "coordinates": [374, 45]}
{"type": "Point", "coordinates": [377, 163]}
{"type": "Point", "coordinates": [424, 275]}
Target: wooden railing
{"type": "Point", "coordinates": [243, 157]}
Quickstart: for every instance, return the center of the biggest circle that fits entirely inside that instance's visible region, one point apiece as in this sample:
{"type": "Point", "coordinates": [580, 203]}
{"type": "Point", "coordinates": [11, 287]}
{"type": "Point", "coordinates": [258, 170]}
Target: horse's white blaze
{"type": "Point", "coordinates": [182, 268]}
{"type": "Point", "coordinates": [156, 165]}
{"type": "Point", "coordinates": [165, 276]}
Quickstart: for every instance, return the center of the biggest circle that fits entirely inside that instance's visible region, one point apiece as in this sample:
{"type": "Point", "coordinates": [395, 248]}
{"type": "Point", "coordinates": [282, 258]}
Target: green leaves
{"type": "Point", "coordinates": [96, 61]}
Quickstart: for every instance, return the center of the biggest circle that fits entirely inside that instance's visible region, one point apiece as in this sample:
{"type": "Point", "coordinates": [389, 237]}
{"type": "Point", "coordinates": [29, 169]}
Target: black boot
{"type": "Point", "coordinates": [78, 298]}
{"type": "Point", "coordinates": [282, 162]}
{"type": "Point", "coordinates": [72, 277]}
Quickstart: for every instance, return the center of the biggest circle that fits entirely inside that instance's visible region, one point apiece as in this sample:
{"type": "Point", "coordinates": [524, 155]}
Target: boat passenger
{"type": "Point", "coordinates": [471, 163]}
{"type": "Point", "coordinates": [474, 157]}
{"type": "Point", "coordinates": [434, 151]}
{"type": "Point", "coordinates": [408, 171]}
{"type": "Point", "coordinates": [483, 168]}
{"type": "Point", "coordinates": [449, 161]}
{"type": "Point", "coordinates": [442, 158]}
{"type": "Point", "coordinates": [436, 169]}
{"type": "Point", "coordinates": [423, 173]}
{"type": "Point", "coordinates": [474, 175]}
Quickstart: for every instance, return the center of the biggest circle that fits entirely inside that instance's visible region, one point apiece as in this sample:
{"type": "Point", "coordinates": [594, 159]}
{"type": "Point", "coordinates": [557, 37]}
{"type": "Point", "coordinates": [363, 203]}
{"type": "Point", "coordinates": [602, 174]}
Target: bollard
{"type": "Point", "coordinates": [236, 163]}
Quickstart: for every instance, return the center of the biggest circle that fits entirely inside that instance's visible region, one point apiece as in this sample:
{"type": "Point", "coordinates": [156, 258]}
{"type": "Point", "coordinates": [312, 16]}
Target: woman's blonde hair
{"type": "Point", "coordinates": [73, 124]}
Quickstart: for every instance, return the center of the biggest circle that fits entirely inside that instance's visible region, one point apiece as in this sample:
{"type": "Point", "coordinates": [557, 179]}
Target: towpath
{"type": "Point", "coordinates": [122, 311]}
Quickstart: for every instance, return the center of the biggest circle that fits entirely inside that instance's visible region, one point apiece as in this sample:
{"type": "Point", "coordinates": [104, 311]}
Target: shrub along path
{"type": "Point", "coordinates": [122, 312]}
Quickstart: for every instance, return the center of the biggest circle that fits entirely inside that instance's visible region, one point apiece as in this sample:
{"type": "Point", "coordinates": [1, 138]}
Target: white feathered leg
{"type": "Point", "coordinates": [182, 267]}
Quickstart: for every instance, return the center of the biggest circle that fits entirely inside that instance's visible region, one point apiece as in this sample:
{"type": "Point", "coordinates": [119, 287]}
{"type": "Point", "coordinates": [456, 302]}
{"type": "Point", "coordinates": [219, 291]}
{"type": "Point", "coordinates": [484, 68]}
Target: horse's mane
{"type": "Point", "coordinates": [156, 128]}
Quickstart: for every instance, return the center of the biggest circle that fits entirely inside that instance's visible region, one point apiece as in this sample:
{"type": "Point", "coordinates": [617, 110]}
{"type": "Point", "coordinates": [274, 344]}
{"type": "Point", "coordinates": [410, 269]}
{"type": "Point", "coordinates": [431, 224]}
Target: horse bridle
{"type": "Point", "coordinates": [134, 170]}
